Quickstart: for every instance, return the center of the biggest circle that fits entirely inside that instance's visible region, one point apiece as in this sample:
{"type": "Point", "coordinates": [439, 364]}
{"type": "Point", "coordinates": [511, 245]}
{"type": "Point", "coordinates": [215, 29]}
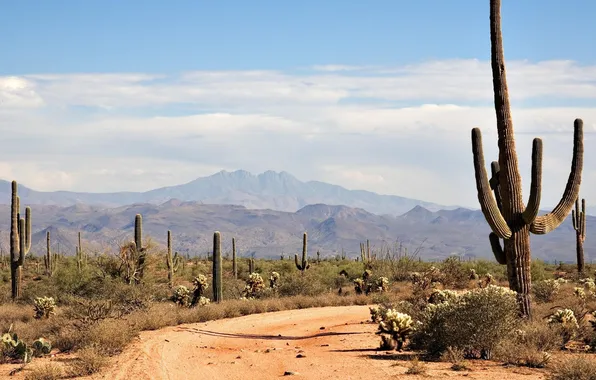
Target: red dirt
{"type": "Point", "coordinates": [335, 342]}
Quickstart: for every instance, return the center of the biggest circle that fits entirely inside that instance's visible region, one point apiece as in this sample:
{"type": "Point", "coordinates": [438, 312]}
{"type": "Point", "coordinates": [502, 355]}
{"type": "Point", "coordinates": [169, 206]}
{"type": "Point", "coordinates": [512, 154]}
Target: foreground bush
{"type": "Point", "coordinates": [475, 321]}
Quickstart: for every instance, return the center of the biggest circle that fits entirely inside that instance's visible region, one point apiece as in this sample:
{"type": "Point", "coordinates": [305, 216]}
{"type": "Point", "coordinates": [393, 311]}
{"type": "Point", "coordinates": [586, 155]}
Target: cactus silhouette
{"type": "Point", "coordinates": [505, 212]}
{"type": "Point", "coordinates": [234, 268]}
{"type": "Point", "coordinates": [172, 262]}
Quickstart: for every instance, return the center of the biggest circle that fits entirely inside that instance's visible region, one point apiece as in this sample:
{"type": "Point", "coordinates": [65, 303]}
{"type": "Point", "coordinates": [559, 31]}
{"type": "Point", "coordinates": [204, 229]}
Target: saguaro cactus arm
{"type": "Point", "coordinates": [495, 244]}
{"type": "Point", "coordinates": [578, 218]}
{"type": "Point", "coordinates": [531, 211]}
{"type": "Point", "coordinates": [544, 224]}
{"type": "Point", "coordinates": [488, 204]}
{"type": "Point", "coordinates": [495, 185]}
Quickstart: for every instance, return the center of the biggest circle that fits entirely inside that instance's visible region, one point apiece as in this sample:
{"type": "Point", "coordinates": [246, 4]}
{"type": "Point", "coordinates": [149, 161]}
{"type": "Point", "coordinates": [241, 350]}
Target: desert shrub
{"type": "Point", "coordinates": [47, 371]}
{"type": "Point", "coordinates": [576, 367]}
{"type": "Point", "coordinates": [88, 361]}
{"type": "Point", "coordinates": [456, 275]}
{"type": "Point", "coordinates": [565, 319]}
{"type": "Point", "coordinates": [545, 290]}
{"type": "Point", "coordinates": [44, 307]}
{"type": "Point", "coordinates": [530, 345]}
{"type": "Point", "coordinates": [475, 321]}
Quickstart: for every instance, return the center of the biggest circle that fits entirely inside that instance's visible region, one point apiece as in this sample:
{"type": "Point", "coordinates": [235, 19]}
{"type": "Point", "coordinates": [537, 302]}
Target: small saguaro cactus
{"type": "Point", "coordinates": [303, 265]}
{"type": "Point", "coordinates": [509, 218]}
{"type": "Point", "coordinates": [251, 265]}
{"type": "Point", "coordinates": [49, 258]}
{"type": "Point", "coordinates": [578, 218]}
{"type": "Point", "coordinates": [80, 255]}
{"type": "Point", "coordinates": [234, 268]}
{"type": "Point", "coordinates": [365, 254]}
{"type": "Point", "coordinates": [139, 245]}
{"type": "Point", "coordinates": [217, 290]}
{"type": "Point", "coordinates": [173, 262]}
{"type": "Point", "coordinates": [20, 241]}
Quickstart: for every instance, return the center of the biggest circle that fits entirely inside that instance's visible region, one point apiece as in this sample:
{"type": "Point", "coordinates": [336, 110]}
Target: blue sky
{"type": "Point", "coordinates": [167, 36]}
{"type": "Point", "coordinates": [377, 95]}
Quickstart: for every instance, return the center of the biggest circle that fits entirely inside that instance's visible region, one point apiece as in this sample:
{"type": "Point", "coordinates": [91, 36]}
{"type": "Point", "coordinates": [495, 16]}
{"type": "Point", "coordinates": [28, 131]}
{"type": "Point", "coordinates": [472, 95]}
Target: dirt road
{"type": "Point", "coordinates": [321, 343]}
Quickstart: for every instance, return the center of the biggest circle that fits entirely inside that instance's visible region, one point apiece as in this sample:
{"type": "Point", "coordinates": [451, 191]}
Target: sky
{"type": "Point", "coordinates": [380, 95]}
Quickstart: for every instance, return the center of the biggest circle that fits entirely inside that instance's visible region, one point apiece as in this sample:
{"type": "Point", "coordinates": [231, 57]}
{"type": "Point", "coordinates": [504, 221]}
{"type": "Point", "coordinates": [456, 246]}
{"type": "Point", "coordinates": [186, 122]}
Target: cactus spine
{"type": "Point", "coordinates": [505, 212]}
{"type": "Point", "coordinates": [20, 241]}
{"type": "Point", "coordinates": [578, 218]}
{"type": "Point", "coordinates": [173, 262]}
{"type": "Point", "coordinates": [303, 265]}
{"type": "Point", "coordinates": [234, 268]}
{"type": "Point", "coordinates": [217, 290]}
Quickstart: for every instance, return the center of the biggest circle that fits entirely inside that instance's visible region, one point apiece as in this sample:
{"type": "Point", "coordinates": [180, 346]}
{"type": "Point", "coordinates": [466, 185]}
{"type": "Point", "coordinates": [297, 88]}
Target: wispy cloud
{"type": "Point", "coordinates": [400, 130]}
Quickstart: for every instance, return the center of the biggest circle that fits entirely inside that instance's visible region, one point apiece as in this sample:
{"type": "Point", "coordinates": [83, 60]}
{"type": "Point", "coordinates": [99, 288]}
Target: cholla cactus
{"type": "Point", "coordinates": [561, 280]}
{"type": "Point", "coordinates": [566, 319]}
{"type": "Point", "coordinates": [254, 285]}
{"type": "Point", "coordinates": [377, 314]}
{"type": "Point", "coordinates": [579, 293]}
{"type": "Point", "coordinates": [203, 301]}
{"type": "Point", "coordinates": [44, 307]}
{"type": "Point", "coordinates": [441, 296]}
{"type": "Point", "coordinates": [588, 284]}
{"type": "Point", "coordinates": [181, 295]}
{"type": "Point", "coordinates": [359, 286]}
{"type": "Point", "coordinates": [200, 285]}
{"type": "Point", "coordinates": [473, 274]}
{"type": "Point", "coordinates": [273, 279]}
{"type": "Point", "coordinates": [381, 284]}
{"type": "Point", "coordinates": [397, 325]}
{"type": "Point", "coordinates": [486, 281]}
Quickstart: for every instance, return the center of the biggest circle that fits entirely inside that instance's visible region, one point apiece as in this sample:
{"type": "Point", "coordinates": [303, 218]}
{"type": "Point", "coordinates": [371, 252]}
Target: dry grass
{"type": "Point", "coordinates": [577, 367]}
{"type": "Point", "coordinates": [48, 371]}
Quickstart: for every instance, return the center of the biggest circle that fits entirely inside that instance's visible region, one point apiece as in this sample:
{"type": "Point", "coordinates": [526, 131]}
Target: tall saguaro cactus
{"type": "Point", "coordinates": [303, 264]}
{"type": "Point", "coordinates": [579, 225]}
{"type": "Point", "coordinates": [505, 212]}
{"type": "Point", "coordinates": [234, 267]}
{"type": "Point", "coordinates": [48, 258]}
{"type": "Point", "coordinates": [217, 290]}
{"type": "Point", "coordinates": [20, 241]}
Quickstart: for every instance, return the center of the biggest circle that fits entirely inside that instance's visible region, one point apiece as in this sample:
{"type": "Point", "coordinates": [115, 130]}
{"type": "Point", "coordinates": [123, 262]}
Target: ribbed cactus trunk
{"type": "Point", "coordinates": [139, 246]}
{"type": "Point", "coordinates": [505, 212]}
{"type": "Point", "coordinates": [20, 241]}
{"type": "Point", "coordinates": [578, 218]}
{"type": "Point", "coordinates": [170, 261]}
{"type": "Point", "coordinates": [217, 286]}
{"type": "Point", "coordinates": [48, 258]}
{"type": "Point", "coordinates": [234, 268]}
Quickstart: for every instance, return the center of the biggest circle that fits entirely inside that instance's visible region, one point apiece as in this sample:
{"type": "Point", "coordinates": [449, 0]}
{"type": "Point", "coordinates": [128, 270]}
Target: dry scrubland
{"type": "Point", "coordinates": [97, 311]}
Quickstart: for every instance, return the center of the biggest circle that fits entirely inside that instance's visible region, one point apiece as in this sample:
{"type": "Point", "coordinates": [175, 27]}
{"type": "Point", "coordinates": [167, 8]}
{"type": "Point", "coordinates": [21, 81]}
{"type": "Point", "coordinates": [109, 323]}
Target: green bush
{"type": "Point", "coordinates": [475, 322]}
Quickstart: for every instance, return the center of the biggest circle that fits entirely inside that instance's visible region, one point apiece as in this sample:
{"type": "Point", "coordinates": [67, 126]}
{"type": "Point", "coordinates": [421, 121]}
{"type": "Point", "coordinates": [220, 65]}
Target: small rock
{"type": "Point", "coordinates": [238, 357]}
{"type": "Point", "coordinates": [300, 356]}
{"type": "Point", "coordinates": [324, 345]}
{"type": "Point", "coordinates": [166, 340]}
{"type": "Point", "coordinates": [290, 373]}
{"type": "Point", "coordinates": [322, 328]}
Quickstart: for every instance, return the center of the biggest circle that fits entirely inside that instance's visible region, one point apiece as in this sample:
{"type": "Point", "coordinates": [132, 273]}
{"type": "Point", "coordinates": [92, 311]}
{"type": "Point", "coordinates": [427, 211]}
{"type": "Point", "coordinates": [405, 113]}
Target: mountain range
{"type": "Point", "coordinates": [269, 233]}
{"type": "Point", "coordinates": [269, 190]}
{"type": "Point", "coordinates": [267, 214]}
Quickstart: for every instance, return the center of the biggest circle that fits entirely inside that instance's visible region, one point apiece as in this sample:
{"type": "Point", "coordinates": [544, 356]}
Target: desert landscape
{"type": "Point", "coordinates": [241, 276]}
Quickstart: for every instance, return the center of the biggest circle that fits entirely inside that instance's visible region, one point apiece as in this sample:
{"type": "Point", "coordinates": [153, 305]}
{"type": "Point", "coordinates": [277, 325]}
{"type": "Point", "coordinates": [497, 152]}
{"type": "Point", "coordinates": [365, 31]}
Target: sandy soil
{"type": "Point", "coordinates": [322, 343]}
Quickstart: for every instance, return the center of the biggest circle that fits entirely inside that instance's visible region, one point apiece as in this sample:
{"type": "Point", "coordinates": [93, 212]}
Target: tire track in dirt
{"type": "Point", "coordinates": [333, 341]}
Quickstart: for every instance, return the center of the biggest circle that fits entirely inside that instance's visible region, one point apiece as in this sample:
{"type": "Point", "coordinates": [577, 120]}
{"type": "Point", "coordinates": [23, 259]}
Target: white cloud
{"type": "Point", "coordinates": [394, 130]}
